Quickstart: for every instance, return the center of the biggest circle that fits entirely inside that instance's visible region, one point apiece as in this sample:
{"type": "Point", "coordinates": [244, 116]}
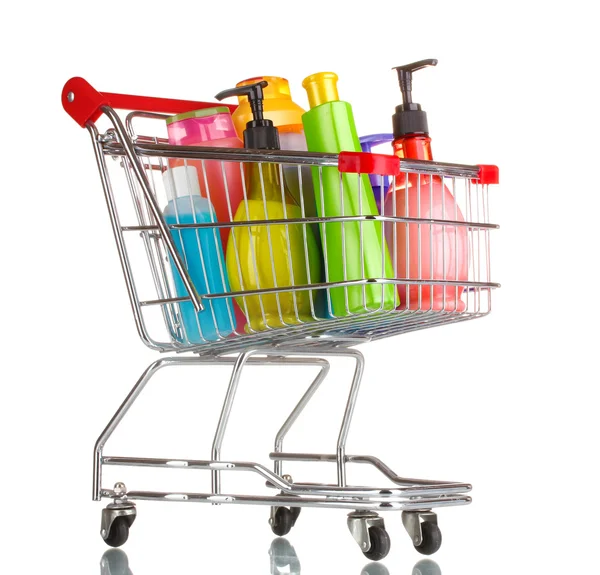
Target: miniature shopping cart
{"type": "Point", "coordinates": [135, 171]}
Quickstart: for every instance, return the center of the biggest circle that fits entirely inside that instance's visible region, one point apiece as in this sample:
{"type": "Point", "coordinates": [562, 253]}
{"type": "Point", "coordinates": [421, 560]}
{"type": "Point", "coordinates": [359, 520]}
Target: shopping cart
{"type": "Point", "coordinates": [298, 322]}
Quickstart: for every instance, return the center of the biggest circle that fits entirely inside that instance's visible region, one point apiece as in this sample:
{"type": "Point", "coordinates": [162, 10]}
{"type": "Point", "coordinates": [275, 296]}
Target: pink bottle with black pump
{"type": "Point", "coordinates": [423, 251]}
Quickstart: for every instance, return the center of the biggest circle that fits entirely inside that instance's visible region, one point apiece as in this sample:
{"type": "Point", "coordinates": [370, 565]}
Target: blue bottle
{"type": "Point", "coordinates": [202, 254]}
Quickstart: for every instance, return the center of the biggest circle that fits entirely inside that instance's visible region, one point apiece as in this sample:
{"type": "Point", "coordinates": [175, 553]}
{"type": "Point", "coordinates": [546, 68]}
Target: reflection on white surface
{"type": "Point", "coordinates": [283, 561]}
{"type": "Point", "coordinates": [283, 558]}
{"type": "Point", "coordinates": [375, 569]}
{"type": "Point", "coordinates": [426, 567]}
{"type": "Point", "coordinates": [115, 562]}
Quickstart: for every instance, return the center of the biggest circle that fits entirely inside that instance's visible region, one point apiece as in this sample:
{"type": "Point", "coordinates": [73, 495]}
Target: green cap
{"type": "Point", "coordinates": [199, 114]}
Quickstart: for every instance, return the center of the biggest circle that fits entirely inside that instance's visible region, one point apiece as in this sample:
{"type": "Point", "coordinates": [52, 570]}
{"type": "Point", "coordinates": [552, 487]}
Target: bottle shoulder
{"type": "Point", "coordinates": [229, 142]}
{"type": "Point", "coordinates": [266, 209]}
{"type": "Point", "coordinates": [281, 111]}
{"type": "Point", "coordinates": [188, 204]}
{"type": "Point", "coordinates": [330, 107]}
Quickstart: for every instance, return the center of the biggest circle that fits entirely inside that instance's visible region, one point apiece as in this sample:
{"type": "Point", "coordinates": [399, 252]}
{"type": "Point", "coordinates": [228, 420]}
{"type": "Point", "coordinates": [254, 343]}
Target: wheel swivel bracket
{"type": "Point", "coordinates": [121, 507]}
{"type": "Point", "coordinates": [412, 521]}
{"type": "Point", "coordinates": [359, 523]}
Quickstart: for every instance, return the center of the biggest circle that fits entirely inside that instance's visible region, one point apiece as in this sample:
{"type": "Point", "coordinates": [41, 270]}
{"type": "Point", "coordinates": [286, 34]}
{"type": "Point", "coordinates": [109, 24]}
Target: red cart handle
{"type": "Point", "coordinates": [83, 102]}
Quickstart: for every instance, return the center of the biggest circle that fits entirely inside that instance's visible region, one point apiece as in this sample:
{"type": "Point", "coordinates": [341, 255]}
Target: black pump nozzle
{"type": "Point", "coordinates": [409, 118]}
{"type": "Point", "coordinates": [260, 133]}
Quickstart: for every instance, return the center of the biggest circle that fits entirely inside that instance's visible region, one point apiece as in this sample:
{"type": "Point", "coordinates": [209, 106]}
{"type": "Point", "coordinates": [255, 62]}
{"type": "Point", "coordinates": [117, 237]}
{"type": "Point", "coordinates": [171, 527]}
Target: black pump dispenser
{"type": "Point", "coordinates": [260, 133]}
{"type": "Point", "coordinates": [409, 118]}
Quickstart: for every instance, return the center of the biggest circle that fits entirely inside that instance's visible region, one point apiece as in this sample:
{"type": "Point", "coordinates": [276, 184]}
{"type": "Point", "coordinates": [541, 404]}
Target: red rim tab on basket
{"type": "Point", "coordinates": [366, 163]}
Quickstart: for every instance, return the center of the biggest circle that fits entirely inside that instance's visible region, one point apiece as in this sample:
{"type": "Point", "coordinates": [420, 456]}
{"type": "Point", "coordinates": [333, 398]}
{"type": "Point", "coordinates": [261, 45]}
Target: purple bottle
{"type": "Point", "coordinates": [380, 185]}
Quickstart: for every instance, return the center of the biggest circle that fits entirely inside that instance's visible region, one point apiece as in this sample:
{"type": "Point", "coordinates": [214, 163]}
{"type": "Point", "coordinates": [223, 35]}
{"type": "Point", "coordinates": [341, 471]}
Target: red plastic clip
{"type": "Point", "coordinates": [365, 163]}
{"type": "Point", "coordinates": [488, 174]}
{"type": "Point", "coordinates": [83, 102]}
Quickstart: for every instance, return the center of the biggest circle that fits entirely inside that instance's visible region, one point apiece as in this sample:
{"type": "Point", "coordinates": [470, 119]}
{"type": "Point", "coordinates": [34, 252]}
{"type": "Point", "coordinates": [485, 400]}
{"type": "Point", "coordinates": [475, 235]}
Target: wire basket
{"type": "Point", "coordinates": [222, 248]}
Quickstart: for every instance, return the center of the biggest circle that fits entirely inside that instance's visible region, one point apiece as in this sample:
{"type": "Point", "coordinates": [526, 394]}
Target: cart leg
{"type": "Point", "coordinates": [278, 469]}
{"type": "Point", "coordinates": [224, 418]}
{"type": "Point", "coordinates": [348, 413]}
{"type": "Point", "coordinates": [273, 357]}
{"type": "Point", "coordinates": [350, 404]}
{"type": "Point", "coordinates": [151, 370]}
{"type": "Point", "coordinates": [116, 419]}
{"type": "Point", "coordinates": [129, 401]}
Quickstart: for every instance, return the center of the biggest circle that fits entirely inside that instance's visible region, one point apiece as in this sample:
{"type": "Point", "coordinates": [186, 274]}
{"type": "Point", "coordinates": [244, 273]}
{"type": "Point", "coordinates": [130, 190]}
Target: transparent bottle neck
{"type": "Point", "coordinates": [414, 147]}
{"type": "Point", "coordinates": [264, 176]}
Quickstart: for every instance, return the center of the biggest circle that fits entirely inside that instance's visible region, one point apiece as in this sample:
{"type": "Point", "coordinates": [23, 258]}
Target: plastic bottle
{"type": "Point", "coordinates": [270, 256]}
{"type": "Point", "coordinates": [423, 251]}
{"type": "Point", "coordinates": [202, 254]}
{"type": "Point", "coordinates": [379, 184]}
{"type": "Point", "coordinates": [353, 250]}
{"type": "Point", "coordinates": [286, 116]}
{"type": "Point", "coordinates": [278, 106]}
{"type": "Point", "coordinates": [219, 182]}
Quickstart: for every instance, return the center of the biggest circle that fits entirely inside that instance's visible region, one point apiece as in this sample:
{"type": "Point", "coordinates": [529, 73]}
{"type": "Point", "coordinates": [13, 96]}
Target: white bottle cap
{"type": "Point", "coordinates": [181, 181]}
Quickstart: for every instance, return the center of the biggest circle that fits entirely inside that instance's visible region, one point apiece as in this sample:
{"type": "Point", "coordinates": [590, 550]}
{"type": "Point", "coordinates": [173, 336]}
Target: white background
{"type": "Point", "coordinates": [507, 403]}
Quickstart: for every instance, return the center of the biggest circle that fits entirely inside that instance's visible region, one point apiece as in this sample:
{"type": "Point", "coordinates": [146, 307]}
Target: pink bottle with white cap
{"type": "Point", "coordinates": [211, 127]}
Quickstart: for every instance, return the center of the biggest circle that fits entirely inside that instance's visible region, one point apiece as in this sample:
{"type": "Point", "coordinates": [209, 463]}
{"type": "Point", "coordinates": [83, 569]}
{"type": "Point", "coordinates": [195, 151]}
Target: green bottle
{"type": "Point", "coordinates": [329, 127]}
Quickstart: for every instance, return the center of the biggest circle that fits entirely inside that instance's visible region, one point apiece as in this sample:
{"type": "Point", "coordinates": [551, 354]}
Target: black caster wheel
{"type": "Point", "coordinates": [380, 544]}
{"type": "Point", "coordinates": [119, 532]}
{"type": "Point", "coordinates": [283, 521]}
{"type": "Point", "coordinates": [432, 538]}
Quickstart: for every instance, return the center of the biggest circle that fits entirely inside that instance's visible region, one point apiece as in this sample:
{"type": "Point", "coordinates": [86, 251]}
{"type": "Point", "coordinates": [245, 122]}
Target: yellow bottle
{"type": "Point", "coordinates": [286, 116]}
{"type": "Point", "coordinates": [267, 256]}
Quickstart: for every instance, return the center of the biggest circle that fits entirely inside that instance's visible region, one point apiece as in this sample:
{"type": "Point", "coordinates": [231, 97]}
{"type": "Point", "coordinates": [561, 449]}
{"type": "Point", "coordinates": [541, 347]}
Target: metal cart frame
{"type": "Point", "coordinates": [297, 345]}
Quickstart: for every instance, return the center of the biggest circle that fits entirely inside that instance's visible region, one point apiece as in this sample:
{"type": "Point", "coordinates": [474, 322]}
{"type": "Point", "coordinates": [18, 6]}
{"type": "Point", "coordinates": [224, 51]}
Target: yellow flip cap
{"type": "Point", "coordinates": [321, 88]}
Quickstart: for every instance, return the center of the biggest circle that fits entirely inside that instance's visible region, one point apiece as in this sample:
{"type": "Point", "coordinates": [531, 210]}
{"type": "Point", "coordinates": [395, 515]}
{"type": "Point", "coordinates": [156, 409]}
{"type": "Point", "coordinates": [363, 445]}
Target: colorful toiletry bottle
{"type": "Point", "coordinates": [379, 184]}
{"type": "Point", "coordinates": [423, 251]}
{"type": "Point", "coordinates": [220, 182]}
{"type": "Point", "coordinates": [202, 254]}
{"type": "Point", "coordinates": [353, 250]}
{"type": "Point", "coordinates": [270, 256]}
{"type": "Point", "coordinates": [286, 116]}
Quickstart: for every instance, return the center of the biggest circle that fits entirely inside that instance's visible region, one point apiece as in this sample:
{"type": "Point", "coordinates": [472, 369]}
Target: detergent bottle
{"type": "Point", "coordinates": [423, 251]}
{"type": "Point", "coordinates": [267, 256]}
{"type": "Point", "coordinates": [286, 116]}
